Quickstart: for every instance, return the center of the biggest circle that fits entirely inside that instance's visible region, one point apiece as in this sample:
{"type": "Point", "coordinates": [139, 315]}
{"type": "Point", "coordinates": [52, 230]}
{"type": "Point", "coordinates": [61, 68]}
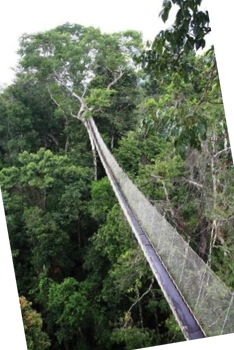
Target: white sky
{"type": "Point", "coordinates": [29, 16]}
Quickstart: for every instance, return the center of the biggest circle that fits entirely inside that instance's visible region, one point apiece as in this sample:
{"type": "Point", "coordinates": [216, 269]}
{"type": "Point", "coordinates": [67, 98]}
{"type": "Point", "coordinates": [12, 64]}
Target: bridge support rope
{"type": "Point", "coordinates": [207, 297]}
{"type": "Point", "coordinates": [185, 318]}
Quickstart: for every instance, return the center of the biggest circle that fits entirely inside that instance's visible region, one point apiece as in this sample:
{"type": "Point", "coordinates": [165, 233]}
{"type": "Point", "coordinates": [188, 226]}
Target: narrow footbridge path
{"type": "Point", "coordinates": [201, 303]}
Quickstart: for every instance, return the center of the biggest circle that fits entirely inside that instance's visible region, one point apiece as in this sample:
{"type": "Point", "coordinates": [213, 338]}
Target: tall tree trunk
{"type": "Point", "coordinates": [66, 144]}
{"type": "Point", "coordinates": [214, 225]}
{"type": "Point", "coordinates": [93, 150]}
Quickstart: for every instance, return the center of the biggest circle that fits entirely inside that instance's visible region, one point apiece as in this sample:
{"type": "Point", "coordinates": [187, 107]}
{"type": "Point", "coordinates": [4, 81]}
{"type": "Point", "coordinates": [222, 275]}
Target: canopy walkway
{"type": "Point", "coordinates": [201, 303]}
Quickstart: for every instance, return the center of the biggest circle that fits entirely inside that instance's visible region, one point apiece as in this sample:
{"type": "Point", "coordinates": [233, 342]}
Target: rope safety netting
{"type": "Point", "coordinates": [209, 299]}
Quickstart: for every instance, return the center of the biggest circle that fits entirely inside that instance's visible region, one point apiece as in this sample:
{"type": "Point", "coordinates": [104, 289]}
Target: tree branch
{"type": "Point", "coordinates": [205, 90]}
{"type": "Point", "coordinates": [227, 149]}
{"type": "Point", "coordinates": [117, 76]}
{"type": "Point", "coordinates": [192, 182]}
{"type": "Point", "coordinates": [53, 99]}
{"type": "Point", "coordinates": [138, 300]}
{"type": "Point", "coordinates": [53, 138]}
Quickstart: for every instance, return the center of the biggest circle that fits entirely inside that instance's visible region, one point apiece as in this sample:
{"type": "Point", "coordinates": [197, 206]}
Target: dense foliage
{"type": "Point", "coordinates": [187, 34]}
{"type": "Point", "coordinates": [83, 281]}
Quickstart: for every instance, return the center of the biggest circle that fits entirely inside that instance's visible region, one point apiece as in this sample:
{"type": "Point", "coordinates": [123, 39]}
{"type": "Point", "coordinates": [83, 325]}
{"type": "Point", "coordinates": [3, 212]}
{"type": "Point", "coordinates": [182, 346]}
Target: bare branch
{"type": "Point", "coordinates": [156, 176]}
{"type": "Point", "coordinates": [227, 149]}
{"type": "Point", "coordinates": [84, 92]}
{"type": "Point", "coordinates": [79, 98]}
{"type": "Point", "coordinates": [138, 300]}
{"type": "Point", "coordinates": [192, 182]}
{"type": "Point", "coordinates": [53, 138]}
{"type": "Point", "coordinates": [52, 97]}
{"type": "Point", "coordinates": [83, 106]}
{"type": "Point", "coordinates": [117, 76]}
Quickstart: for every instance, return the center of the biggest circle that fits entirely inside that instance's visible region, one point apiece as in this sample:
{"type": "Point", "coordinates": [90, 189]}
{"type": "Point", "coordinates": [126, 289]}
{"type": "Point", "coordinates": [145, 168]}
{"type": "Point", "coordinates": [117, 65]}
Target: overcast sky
{"type": "Point", "coordinates": [28, 16]}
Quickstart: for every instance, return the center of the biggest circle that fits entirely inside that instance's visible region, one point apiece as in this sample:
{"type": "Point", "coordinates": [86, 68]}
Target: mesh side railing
{"type": "Point", "coordinates": [210, 300]}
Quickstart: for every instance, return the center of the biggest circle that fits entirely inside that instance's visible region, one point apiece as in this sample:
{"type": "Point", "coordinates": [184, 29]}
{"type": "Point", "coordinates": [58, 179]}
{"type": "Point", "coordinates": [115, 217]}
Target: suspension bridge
{"type": "Point", "coordinates": [201, 303]}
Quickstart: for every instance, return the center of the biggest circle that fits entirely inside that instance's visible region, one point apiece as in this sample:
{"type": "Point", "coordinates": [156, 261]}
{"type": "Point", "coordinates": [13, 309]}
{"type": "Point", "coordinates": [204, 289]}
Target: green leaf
{"type": "Point", "coordinates": [166, 9]}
